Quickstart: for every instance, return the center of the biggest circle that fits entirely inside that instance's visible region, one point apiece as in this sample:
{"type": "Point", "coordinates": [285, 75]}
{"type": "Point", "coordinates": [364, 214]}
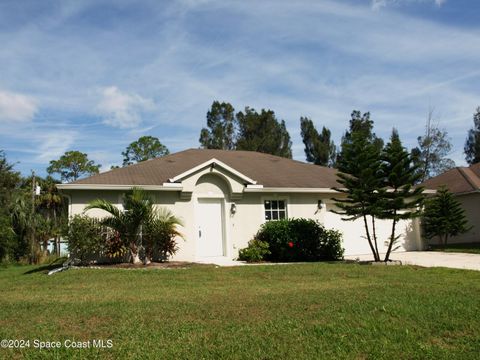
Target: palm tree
{"type": "Point", "coordinates": [160, 233]}
{"type": "Point", "coordinates": [138, 212]}
{"type": "Point", "coordinates": [52, 204]}
{"type": "Point", "coordinates": [24, 223]}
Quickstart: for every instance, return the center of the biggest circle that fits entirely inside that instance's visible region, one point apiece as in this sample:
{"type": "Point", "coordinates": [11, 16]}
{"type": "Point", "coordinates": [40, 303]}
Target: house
{"type": "Point", "coordinates": [464, 182]}
{"type": "Point", "coordinates": [223, 197]}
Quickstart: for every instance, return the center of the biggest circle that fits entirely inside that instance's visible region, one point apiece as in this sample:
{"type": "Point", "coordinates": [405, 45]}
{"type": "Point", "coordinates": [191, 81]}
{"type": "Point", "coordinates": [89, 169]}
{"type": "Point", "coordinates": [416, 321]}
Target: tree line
{"type": "Point", "coordinates": [262, 131]}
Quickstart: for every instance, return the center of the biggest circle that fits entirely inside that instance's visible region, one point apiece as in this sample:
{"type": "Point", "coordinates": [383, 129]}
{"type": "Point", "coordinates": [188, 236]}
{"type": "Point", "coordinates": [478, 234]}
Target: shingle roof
{"type": "Point", "coordinates": [458, 180]}
{"type": "Point", "coordinates": [267, 170]}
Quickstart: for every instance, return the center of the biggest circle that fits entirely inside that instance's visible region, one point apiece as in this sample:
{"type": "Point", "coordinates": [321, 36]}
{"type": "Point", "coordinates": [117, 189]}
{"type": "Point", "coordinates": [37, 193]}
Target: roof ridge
{"type": "Point", "coordinates": [467, 174]}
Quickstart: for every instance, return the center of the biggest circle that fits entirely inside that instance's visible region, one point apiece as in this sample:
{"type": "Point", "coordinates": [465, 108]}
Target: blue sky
{"type": "Point", "coordinates": [95, 75]}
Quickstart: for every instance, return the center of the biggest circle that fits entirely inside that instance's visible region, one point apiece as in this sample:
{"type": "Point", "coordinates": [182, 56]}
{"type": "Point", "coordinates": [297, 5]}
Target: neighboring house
{"type": "Point", "coordinates": [464, 182]}
{"type": "Point", "coordinates": [223, 197]}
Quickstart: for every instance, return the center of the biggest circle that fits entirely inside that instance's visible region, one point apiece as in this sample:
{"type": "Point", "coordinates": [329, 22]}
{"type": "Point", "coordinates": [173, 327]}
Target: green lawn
{"type": "Point", "coordinates": [472, 248]}
{"type": "Point", "coordinates": [305, 311]}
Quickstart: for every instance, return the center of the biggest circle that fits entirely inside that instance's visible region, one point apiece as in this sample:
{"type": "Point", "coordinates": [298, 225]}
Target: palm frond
{"type": "Point", "coordinates": [104, 205]}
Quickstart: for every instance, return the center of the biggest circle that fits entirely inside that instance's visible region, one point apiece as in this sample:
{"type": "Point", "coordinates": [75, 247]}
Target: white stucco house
{"type": "Point", "coordinates": [223, 197]}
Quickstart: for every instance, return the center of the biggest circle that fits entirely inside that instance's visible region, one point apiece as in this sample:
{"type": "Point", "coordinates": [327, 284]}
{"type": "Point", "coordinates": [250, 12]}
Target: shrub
{"type": "Point", "coordinates": [85, 240]}
{"type": "Point", "coordinates": [300, 240]}
{"type": "Point", "coordinates": [7, 239]}
{"type": "Point", "coordinates": [277, 235]}
{"type": "Point", "coordinates": [160, 234]}
{"type": "Point", "coordinates": [255, 252]}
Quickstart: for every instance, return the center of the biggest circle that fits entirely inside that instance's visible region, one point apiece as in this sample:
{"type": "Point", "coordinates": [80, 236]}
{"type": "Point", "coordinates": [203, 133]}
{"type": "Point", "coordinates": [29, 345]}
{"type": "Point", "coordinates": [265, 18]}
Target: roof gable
{"type": "Point", "coordinates": [212, 162]}
{"type": "Point", "coordinates": [459, 180]}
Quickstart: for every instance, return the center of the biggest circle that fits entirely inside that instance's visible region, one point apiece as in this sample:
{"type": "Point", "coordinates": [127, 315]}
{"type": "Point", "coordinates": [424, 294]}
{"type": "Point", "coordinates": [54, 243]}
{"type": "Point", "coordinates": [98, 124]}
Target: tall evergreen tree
{"type": "Point", "coordinates": [72, 165]}
{"type": "Point", "coordinates": [319, 148]}
{"type": "Point", "coordinates": [472, 144]}
{"type": "Point", "coordinates": [363, 125]}
{"type": "Point", "coordinates": [145, 148]}
{"type": "Point", "coordinates": [444, 217]}
{"type": "Point", "coordinates": [262, 132]}
{"type": "Point", "coordinates": [220, 130]}
{"type": "Point", "coordinates": [360, 174]}
{"type": "Point", "coordinates": [400, 199]}
{"type": "Point", "coordinates": [9, 182]}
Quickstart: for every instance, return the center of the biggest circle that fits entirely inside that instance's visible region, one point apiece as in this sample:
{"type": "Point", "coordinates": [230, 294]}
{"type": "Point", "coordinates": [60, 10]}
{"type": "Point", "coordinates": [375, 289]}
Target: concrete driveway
{"type": "Point", "coordinates": [432, 259]}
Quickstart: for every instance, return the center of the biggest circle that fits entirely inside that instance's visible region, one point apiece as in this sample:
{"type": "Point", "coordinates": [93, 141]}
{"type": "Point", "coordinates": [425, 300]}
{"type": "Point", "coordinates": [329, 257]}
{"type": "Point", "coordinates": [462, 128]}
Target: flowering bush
{"type": "Point", "coordinates": [300, 240]}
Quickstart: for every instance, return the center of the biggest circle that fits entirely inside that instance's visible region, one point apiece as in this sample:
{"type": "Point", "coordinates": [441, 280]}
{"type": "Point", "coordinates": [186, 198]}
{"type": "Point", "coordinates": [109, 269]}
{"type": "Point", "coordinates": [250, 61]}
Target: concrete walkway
{"type": "Point", "coordinates": [432, 259]}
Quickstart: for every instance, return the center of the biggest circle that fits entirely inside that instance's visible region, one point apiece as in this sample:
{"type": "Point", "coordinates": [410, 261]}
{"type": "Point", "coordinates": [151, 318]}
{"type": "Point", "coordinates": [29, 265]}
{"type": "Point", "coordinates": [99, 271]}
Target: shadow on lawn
{"type": "Point", "coordinates": [47, 267]}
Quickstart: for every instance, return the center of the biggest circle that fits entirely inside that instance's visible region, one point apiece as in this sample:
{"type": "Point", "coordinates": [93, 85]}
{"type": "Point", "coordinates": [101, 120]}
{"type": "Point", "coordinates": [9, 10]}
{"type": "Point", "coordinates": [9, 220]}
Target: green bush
{"type": "Point", "coordinates": [160, 235]}
{"type": "Point", "coordinates": [7, 239]}
{"type": "Point", "coordinates": [300, 240]}
{"type": "Point", "coordinates": [255, 252]}
{"type": "Point", "coordinates": [85, 240]}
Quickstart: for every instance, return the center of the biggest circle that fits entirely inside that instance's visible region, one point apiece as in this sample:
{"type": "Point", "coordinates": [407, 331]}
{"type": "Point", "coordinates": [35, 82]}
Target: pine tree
{"type": "Point", "coordinates": [145, 148]}
{"type": "Point", "coordinates": [400, 199]}
{"type": "Point", "coordinates": [361, 179]}
{"type": "Point", "coordinates": [319, 148]}
{"type": "Point", "coordinates": [472, 144]}
{"type": "Point", "coordinates": [262, 132]}
{"type": "Point", "coordinates": [220, 132]}
{"type": "Point", "coordinates": [444, 217]}
{"type": "Point", "coordinates": [72, 165]}
{"type": "Point", "coordinates": [360, 124]}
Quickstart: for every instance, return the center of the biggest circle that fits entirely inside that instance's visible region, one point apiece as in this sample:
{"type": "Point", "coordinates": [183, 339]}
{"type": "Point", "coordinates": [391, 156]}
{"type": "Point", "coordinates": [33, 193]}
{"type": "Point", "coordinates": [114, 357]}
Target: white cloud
{"type": "Point", "coordinates": [378, 4]}
{"type": "Point", "coordinates": [53, 144]}
{"type": "Point", "coordinates": [16, 107]}
{"type": "Point", "coordinates": [121, 109]}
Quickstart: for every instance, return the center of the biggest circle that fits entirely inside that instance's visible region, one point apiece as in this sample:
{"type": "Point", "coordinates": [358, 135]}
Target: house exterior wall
{"type": "Point", "coordinates": [471, 204]}
{"type": "Point", "coordinates": [241, 226]}
{"type": "Point", "coordinates": [354, 237]}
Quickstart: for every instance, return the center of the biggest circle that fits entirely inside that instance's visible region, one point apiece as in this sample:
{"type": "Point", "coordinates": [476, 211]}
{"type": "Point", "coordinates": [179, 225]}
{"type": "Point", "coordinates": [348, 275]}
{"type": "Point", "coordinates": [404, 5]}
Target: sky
{"type": "Point", "coordinates": [95, 75]}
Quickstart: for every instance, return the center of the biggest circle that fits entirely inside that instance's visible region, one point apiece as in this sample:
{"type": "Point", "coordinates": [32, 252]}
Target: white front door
{"type": "Point", "coordinates": [209, 216]}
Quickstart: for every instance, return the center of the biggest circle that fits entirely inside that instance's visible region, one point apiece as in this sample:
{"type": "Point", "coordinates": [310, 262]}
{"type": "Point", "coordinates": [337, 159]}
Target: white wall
{"type": "Point", "coordinates": [354, 234]}
{"type": "Point", "coordinates": [243, 225]}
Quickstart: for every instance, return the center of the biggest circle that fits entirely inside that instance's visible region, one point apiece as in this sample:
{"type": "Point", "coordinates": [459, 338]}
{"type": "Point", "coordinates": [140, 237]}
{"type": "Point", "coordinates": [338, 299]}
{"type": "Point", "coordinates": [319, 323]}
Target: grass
{"type": "Point", "coordinates": [471, 248]}
{"type": "Point", "coordinates": [303, 311]}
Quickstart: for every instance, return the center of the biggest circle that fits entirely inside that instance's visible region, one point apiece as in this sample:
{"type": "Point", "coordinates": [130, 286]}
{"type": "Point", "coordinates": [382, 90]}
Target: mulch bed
{"type": "Point", "coordinates": [152, 265]}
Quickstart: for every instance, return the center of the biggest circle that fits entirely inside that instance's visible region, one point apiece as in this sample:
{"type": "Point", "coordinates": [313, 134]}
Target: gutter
{"type": "Point", "coordinates": [288, 190]}
{"type": "Point", "coordinates": [164, 187]}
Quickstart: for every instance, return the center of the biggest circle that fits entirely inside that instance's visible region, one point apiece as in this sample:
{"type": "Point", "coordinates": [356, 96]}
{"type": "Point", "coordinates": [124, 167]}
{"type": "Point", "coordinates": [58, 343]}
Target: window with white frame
{"type": "Point", "coordinates": [275, 209]}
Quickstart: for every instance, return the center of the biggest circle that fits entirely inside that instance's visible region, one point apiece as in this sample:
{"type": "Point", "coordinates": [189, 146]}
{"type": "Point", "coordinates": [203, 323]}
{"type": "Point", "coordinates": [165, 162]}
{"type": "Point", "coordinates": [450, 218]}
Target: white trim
{"type": "Point", "coordinates": [252, 189]}
{"type": "Point", "coordinates": [290, 190]}
{"type": "Point", "coordinates": [254, 186]}
{"type": "Point", "coordinates": [173, 185]}
{"type": "Point", "coordinates": [164, 187]}
{"type": "Point", "coordinates": [208, 163]}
